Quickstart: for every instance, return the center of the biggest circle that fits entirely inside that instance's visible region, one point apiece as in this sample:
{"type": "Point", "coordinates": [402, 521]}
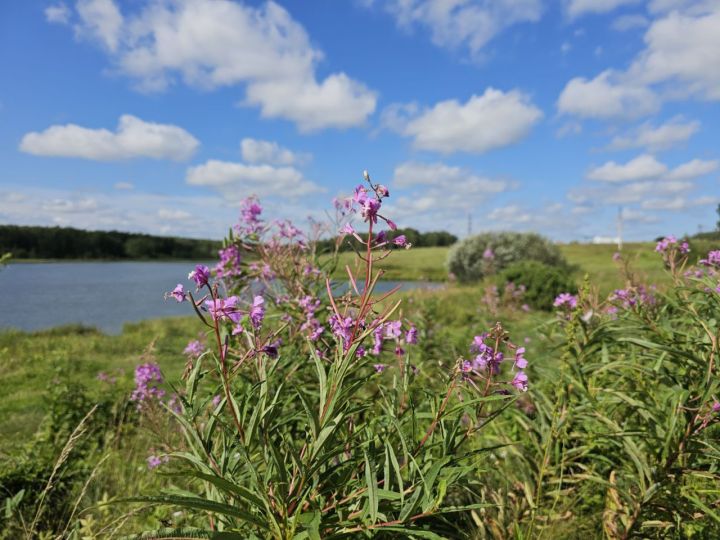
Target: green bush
{"type": "Point", "coordinates": [488, 253]}
{"type": "Point", "coordinates": [542, 282]}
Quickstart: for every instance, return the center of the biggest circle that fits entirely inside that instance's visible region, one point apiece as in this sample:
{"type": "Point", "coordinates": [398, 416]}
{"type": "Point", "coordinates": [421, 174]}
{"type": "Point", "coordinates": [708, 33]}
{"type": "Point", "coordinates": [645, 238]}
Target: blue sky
{"type": "Point", "coordinates": [159, 115]}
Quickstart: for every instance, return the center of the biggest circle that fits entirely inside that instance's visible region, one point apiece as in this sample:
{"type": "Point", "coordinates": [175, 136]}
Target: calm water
{"type": "Point", "coordinates": [104, 295]}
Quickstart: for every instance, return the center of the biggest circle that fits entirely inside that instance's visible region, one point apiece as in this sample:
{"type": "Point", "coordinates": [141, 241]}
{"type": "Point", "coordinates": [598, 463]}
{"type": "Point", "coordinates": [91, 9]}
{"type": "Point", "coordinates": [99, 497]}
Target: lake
{"type": "Point", "coordinates": [101, 294]}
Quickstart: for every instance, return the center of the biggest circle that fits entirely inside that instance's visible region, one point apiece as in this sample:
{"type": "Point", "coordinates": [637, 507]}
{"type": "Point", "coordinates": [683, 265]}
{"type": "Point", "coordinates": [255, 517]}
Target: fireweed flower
{"type": "Point", "coordinates": [178, 293]}
{"type": "Point", "coordinates": [155, 461]}
{"type": "Point", "coordinates": [713, 259]}
{"type": "Point", "coordinates": [201, 275]}
{"type": "Point", "coordinates": [520, 360]}
{"type": "Point", "coordinates": [224, 308]}
{"type": "Point", "coordinates": [379, 368]}
{"type": "Point", "coordinates": [257, 312]}
{"type": "Point", "coordinates": [520, 381]}
{"type": "Point", "coordinates": [342, 329]}
{"type": "Point", "coordinates": [229, 264]}
{"type": "Point", "coordinates": [400, 241]}
{"type": "Point", "coordinates": [488, 254]}
{"type": "Point", "coordinates": [566, 300]}
{"type": "Point", "coordinates": [148, 379]}
{"type": "Point", "coordinates": [194, 349]}
{"type": "Point", "coordinates": [411, 336]}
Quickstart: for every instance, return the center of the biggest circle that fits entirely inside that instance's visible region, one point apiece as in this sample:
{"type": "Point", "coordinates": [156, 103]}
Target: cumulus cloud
{"type": "Point", "coordinates": [643, 167]}
{"type": "Point", "coordinates": [462, 23]}
{"type": "Point", "coordinates": [607, 96]}
{"type": "Point", "coordinates": [224, 43]}
{"type": "Point", "coordinates": [232, 178]}
{"type": "Point", "coordinates": [134, 138]}
{"type": "Point", "coordinates": [646, 167]}
{"type": "Point", "coordinates": [100, 20]}
{"type": "Point", "coordinates": [446, 177]}
{"type": "Point", "coordinates": [693, 169]}
{"type": "Point", "coordinates": [683, 49]}
{"type": "Point", "coordinates": [681, 59]}
{"type": "Point", "coordinates": [577, 8]}
{"type": "Point", "coordinates": [656, 138]}
{"type": "Point", "coordinates": [629, 22]}
{"type": "Point", "coordinates": [270, 153]}
{"type": "Point", "coordinates": [58, 14]}
{"type": "Point", "coordinates": [491, 120]}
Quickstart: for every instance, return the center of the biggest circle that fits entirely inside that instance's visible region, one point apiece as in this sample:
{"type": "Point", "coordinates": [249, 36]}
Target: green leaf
{"type": "Point", "coordinates": [371, 482]}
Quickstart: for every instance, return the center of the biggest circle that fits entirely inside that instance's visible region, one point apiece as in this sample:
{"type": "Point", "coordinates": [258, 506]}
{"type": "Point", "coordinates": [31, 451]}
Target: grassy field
{"type": "Point", "coordinates": [32, 361]}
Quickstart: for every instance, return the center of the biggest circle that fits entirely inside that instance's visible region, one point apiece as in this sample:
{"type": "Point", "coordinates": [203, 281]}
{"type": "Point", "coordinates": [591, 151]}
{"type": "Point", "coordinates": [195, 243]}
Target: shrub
{"type": "Point", "coordinates": [543, 283]}
{"type": "Point", "coordinates": [488, 253]}
{"type": "Point", "coordinates": [308, 419]}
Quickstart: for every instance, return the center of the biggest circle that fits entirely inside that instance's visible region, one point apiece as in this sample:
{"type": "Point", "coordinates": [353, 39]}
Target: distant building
{"type": "Point", "coordinates": [605, 240]}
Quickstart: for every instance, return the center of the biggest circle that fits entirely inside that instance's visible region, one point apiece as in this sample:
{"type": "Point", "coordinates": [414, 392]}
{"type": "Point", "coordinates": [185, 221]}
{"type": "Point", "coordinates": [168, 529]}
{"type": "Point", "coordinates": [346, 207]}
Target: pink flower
{"type": "Point", "coordinates": [178, 293]}
{"type": "Point", "coordinates": [520, 381]}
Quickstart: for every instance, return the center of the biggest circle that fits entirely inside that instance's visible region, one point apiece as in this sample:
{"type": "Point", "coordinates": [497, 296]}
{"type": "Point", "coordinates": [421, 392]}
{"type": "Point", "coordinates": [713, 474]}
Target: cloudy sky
{"type": "Point", "coordinates": [546, 115]}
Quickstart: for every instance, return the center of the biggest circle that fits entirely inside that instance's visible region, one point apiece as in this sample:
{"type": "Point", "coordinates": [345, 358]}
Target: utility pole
{"type": "Point", "coordinates": [469, 233]}
{"type": "Point", "coordinates": [620, 228]}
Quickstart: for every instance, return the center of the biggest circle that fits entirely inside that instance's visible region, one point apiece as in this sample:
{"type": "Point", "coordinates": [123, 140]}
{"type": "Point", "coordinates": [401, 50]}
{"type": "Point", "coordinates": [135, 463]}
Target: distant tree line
{"type": "Point", "coordinates": [69, 243]}
{"type": "Point", "coordinates": [413, 236]}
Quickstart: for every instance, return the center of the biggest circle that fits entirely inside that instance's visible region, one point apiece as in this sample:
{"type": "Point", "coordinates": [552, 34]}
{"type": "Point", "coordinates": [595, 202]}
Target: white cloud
{"type": "Point", "coordinates": [685, 50]}
{"type": "Point", "coordinates": [232, 178]}
{"type": "Point", "coordinates": [509, 214]}
{"type": "Point", "coordinates": [681, 58]}
{"type": "Point", "coordinates": [678, 203]}
{"type": "Point", "coordinates": [693, 169]}
{"type": "Point", "coordinates": [446, 177]}
{"type": "Point", "coordinates": [462, 23]}
{"type": "Point", "coordinates": [124, 185]}
{"type": "Point", "coordinates": [629, 22]}
{"type": "Point", "coordinates": [577, 8]}
{"type": "Point", "coordinates": [270, 153]}
{"type": "Point", "coordinates": [631, 214]}
{"type": "Point", "coordinates": [643, 167]}
{"type": "Point", "coordinates": [70, 206]}
{"type": "Point", "coordinates": [606, 96]}
{"type": "Point", "coordinates": [483, 123]}
{"type": "Point", "coordinates": [174, 214]}
{"type": "Point", "coordinates": [133, 138]}
{"type": "Point", "coordinates": [656, 138]}
{"type": "Point", "coordinates": [100, 20]}
{"type": "Point", "coordinates": [58, 14]}
{"type": "Point", "coordinates": [220, 43]}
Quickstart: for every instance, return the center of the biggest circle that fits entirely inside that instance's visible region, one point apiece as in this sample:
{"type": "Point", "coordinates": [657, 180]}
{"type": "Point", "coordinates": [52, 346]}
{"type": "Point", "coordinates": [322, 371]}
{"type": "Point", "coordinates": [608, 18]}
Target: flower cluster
{"type": "Point", "coordinates": [488, 359]}
{"type": "Point", "coordinates": [154, 461]}
{"type": "Point", "coordinates": [671, 242]}
{"type": "Point", "coordinates": [148, 379]}
{"type": "Point", "coordinates": [194, 349]}
{"type": "Point", "coordinates": [634, 297]}
{"type": "Point", "coordinates": [712, 260]}
{"type": "Point", "coordinates": [566, 301]}
{"type": "Point", "coordinates": [229, 263]}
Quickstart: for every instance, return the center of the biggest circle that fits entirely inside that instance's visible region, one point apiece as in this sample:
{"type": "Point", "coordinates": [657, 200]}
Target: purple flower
{"type": "Point", "coordinates": [566, 300]}
{"type": "Point", "coordinates": [272, 349]}
{"type": "Point", "coordinates": [155, 461]}
{"type": "Point", "coordinates": [379, 368]}
{"type": "Point", "coordinates": [257, 312]}
{"type": "Point", "coordinates": [201, 275]}
{"type": "Point", "coordinates": [520, 381]}
{"type": "Point", "coordinates": [347, 229]}
{"type": "Point", "coordinates": [488, 254]}
{"type": "Point", "coordinates": [399, 351]}
{"type": "Point", "coordinates": [616, 256]}
{"type": "Point", "coordinates": [520, 360]}
{"type": "Point", "coordinates": [342, 328]}
{"type": "Point", "coordinates": [216, 400]}
{"type": "Point", "coordinates": [229, 264]}
{"type": "Point", "coordinates": [369, 209]}
{"type": "Point", "coordinates": [194, 349]}
{"type": "Point", "coordinates": [382, 191]}
{"type": "Point", "coordinates": [411, 336]}
{"type": "Point", "coordinates": [178, 293]}
{"type": "Point", "coordinates": [400, 241]}
{"type": "Point", "coordinates": [148, 379]}
{"type": "Point", "coordinates": [393, 329]}
{"type": "Point", "coordinates": [391, 224]}
{"type": "Point", "coordinates": [713, 259]}
{"type": "Point", "coordinates": [716, 407]}
{"type": "Point", "coordinates": [224, 308]}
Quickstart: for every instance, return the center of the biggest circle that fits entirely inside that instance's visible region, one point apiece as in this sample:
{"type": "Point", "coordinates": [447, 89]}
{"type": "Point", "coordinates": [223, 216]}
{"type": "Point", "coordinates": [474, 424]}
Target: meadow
{"type": "Point", "coordinates": [459, 412]}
